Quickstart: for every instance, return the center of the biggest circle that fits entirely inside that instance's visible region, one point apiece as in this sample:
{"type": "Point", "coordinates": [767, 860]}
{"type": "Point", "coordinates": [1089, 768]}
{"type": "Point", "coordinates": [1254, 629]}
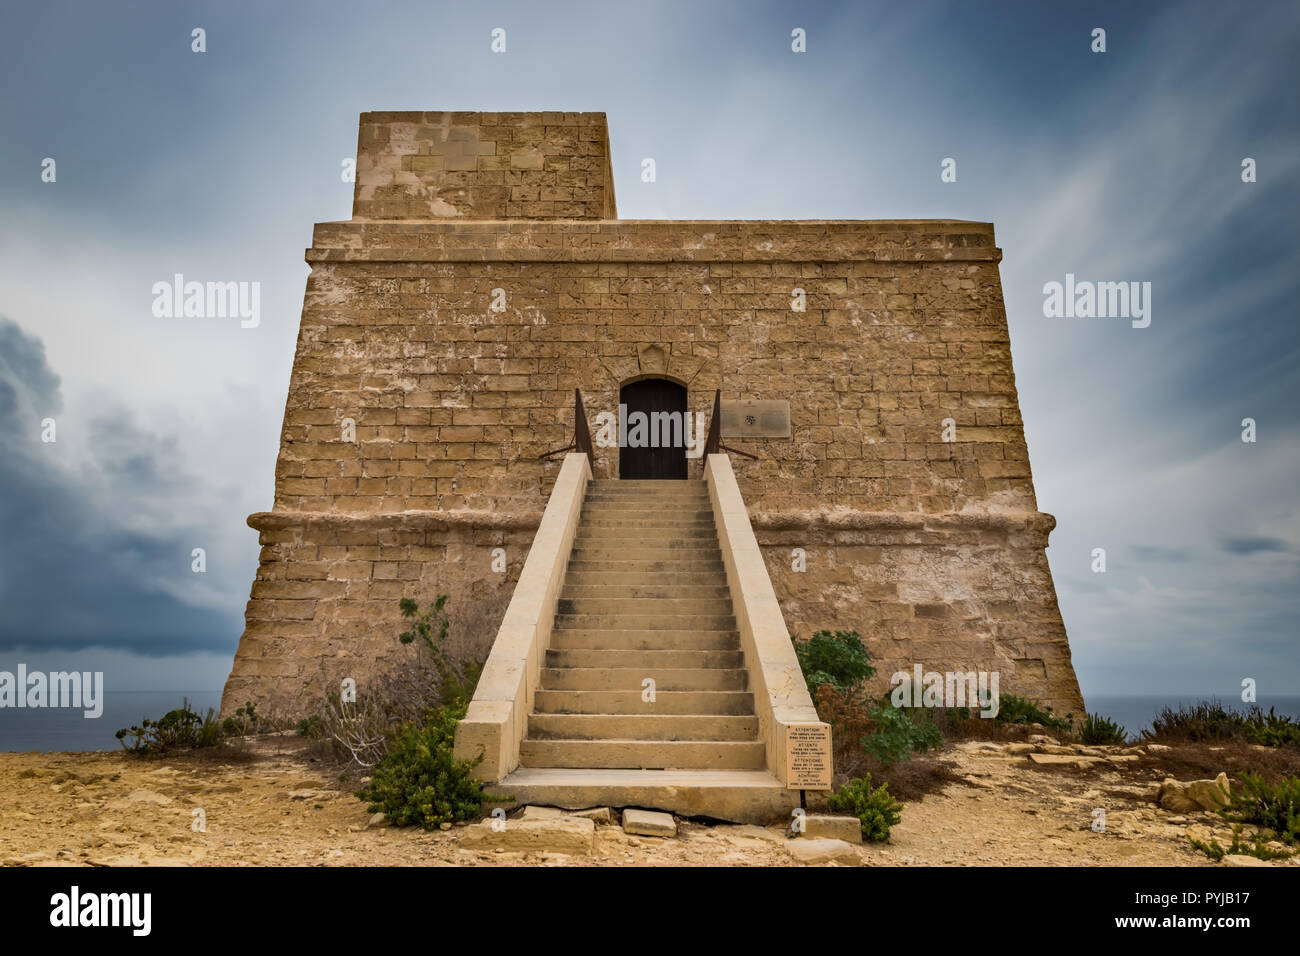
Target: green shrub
{"type": "Point", "coordinates": [179, 729]}
{"type": "Point", "coordinates": [1198, 723]}
{"type": "Point", "coordinates": [1276, 806]}
{"type": "Point", "coordinates": [838, 659]}
{"type": "Point", "coordinates": [1257, 848]}
{"type": "Point", "coordinates": [876, 810]}
{"type": "Point", "coordinates": [1102, 730]}
{"type": "Point", "coordinates": [419, 781]}
{"type": "Point", "coordinates": [1018, 710]}
{"type": "Point", "coordinates": [895, 735]}
{"type": "Point", "coordinates": [1211, 722]}
{"type": "Point", "coordinates": [1271, 730]}
{"type": "Point", "coordinates": [456, 681]}
{"type": "Point", "coordinates": [245, 721]}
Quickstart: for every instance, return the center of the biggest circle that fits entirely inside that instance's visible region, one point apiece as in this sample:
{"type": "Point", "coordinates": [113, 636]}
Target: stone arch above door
{"type": "Point", "coordinates": [654, 361]}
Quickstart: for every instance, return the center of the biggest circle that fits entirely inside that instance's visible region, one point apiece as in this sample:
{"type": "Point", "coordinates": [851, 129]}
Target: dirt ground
{"type": "Point", "coordinates": [277, 805]}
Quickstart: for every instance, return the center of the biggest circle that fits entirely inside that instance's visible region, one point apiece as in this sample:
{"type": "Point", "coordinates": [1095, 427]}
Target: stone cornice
{"type": "Point", "coordinates": [819, 522]}
{"type": "Point", "coordinates": [632, 240]}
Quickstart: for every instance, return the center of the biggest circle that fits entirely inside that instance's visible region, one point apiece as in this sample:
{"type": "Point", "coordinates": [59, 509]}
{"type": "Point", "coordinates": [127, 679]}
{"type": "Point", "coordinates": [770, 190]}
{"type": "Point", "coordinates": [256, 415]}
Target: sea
{"type": "Point", "coordinates": [1135, 713]}
{"type": "Point", "coordinates": [43, 729]}
{"type": "Point", "coordinates": [67, 730]}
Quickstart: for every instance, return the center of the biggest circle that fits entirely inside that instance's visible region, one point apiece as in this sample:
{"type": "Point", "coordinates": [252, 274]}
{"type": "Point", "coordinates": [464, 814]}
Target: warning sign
{"type": "Point", "coordinates": [808, 756]}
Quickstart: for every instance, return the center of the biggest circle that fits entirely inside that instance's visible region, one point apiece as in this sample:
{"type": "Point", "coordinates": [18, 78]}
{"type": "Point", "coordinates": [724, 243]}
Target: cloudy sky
{"type": "Point", "coordinates": [1123, 165]}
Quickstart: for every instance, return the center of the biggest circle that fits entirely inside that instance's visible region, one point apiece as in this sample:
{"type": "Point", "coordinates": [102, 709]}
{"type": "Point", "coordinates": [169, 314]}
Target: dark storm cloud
{"type": "Point", "coordinates": [85, 560]}
{"type": "Point", "coordinates": [1116, 166]}
{"type": "Point", "coordinates": [1253, 545]}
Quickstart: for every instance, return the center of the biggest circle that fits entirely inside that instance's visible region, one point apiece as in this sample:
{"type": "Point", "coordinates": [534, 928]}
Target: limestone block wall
{"type": "Point", "coordinates": [324, 605]}
{"type": "Point", "coordinates": [483, 166]}
{"type": "Point", "coordinates": [436, 361]}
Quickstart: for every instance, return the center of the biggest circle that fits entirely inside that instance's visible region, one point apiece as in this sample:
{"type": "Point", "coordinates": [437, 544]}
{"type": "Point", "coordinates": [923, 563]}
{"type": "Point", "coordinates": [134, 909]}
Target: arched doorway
{"type": "Point", "coordinates": [652, 430]}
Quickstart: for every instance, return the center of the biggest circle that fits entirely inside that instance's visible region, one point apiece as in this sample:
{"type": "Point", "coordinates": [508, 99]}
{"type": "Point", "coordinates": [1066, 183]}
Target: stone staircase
{"type": "Point", "coordinates": [645, 597]}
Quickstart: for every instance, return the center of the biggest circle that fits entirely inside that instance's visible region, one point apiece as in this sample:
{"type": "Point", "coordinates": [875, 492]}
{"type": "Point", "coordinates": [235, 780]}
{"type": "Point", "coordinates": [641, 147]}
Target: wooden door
{"type": "Point", "coordinates": [662, 441]}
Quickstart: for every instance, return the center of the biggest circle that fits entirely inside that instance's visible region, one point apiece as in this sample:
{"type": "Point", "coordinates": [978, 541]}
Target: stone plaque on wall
{"type": "Point", "coordinates": [808, 756]}
{"type": "Point", "coordinates": [766, 419]}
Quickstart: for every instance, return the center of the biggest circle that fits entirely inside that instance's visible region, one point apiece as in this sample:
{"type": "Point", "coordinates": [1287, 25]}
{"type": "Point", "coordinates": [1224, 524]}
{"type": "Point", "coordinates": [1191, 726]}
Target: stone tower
{"type": "Point", "coordinates": [484, 276]}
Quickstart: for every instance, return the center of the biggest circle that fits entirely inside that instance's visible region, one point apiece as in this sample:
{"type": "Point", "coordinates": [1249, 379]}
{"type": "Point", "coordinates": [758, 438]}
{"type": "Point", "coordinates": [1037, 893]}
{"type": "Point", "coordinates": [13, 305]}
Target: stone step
{"type": "Point", "coordinates": [666, 492]}
{"type": "Point", "coordinates": [644, 606]}
{"type": "Point", "coordinates": [647, 485]}
{"type": "Point", "coordinates": [668, 564]}
{"type": "Point", "coordinates": [606, 553]}
{"type": "Point", "coordinates": [656, 537]}
{"type": "Point", "coordinates": [653, 659]}
{"type": "Point", "coordinates": [637, 640]}
{"type": "Point", "coordinates": [639, 727]}
{"type": "Point", "coordinates": [631, 678]}
{"type": "Point", "coordinates": [647, 622]}
{"type": "Point", "coordinates": [661, 503]}
{"type": "Point", "coordinates": [646, 592]}
{"type": "Point", "coordinates": [633, 543]}
{"type": "Point", "coordinates": [592, 578]}
{"type": "Point", "coordinates": [738, 796]}
{"type": "Point", "coordinates": [728, 702]}
{"type": "Point", "coordinates": [644, 754]}
{"type": "Point", "coordinates": [645, 518]}
{"type": "Point", "coordinates": [637, 510]}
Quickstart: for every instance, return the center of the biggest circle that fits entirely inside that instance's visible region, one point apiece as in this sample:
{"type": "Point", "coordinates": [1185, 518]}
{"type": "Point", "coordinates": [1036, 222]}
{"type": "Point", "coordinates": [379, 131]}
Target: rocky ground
{"type": "Point", "coordinates": [1017, 803]}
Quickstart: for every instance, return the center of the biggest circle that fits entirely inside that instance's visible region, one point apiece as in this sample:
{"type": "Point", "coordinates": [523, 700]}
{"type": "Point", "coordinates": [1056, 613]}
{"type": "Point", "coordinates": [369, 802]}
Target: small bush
{"type": "Point", "coordinates": [1271, 730]}
{"type": "Point", "coordinates": [839, 659]}
{"type": "Point", "coordinates": [360, 730]}
{"type": "Point", "coordinates": [849, 718]}
{"type": "Point", "coordinates": [1102, 730]}
{"type": "Point", "coordinates": [1257, 848]}
{"type": "Point", "coordinates": [1018, 710]}
{"type": "Point", "coordinates": [878, 730]}
{"type": "Point", "coordinates": [876, 810]}
{"type": "Point", "coordinates": [246, 720]}
{"type": "Point", "coordinates": [895, 736]}
{"type": "Point", "coordinates": [1276, 806]}
{"type": "Point", "coordinates": [419, 781]}
{"type": "Point", "coordinates": [1211, 722]}
{"type": "Point", "coordinates": [456, 682]}
{"type": "Point", "coordinates": [1198, 723]}
{"type": "Point", "coordinates": [179, 729]}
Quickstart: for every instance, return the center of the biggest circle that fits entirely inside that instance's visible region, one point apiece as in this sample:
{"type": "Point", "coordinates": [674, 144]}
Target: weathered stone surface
{"type": "Point", "coordinates": [848, 829]}
{"type": "Point", "coordinates": [749, 832]}
{"type": "Point", "coordinates": [649, 823]}
{"type": "Point", "coordinates": [601, 816]}
{"type": "Point", "coordinates": [823, 851]}
{"type": "Point", "coordinates": [1239, 859]}
{"type": "Point", "coordinates": [572, 835]}
{"type": "Point", "coordinates": [1195, 794]}
{"type": "Point", "coordinates": [451, 404]}
{"type": "Point", "coordinates": [541, 813]}
{"type": "Point", "coordinates": [1065, 760]}
{"type": "Point", "coordinates": [149, 796]}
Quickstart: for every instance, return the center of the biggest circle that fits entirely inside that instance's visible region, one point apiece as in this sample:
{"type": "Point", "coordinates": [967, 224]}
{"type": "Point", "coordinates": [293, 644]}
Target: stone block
{"type": "Point", "coordinates": [649, 823]}
{"type": "Point", "coordinates": [572, 835]}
